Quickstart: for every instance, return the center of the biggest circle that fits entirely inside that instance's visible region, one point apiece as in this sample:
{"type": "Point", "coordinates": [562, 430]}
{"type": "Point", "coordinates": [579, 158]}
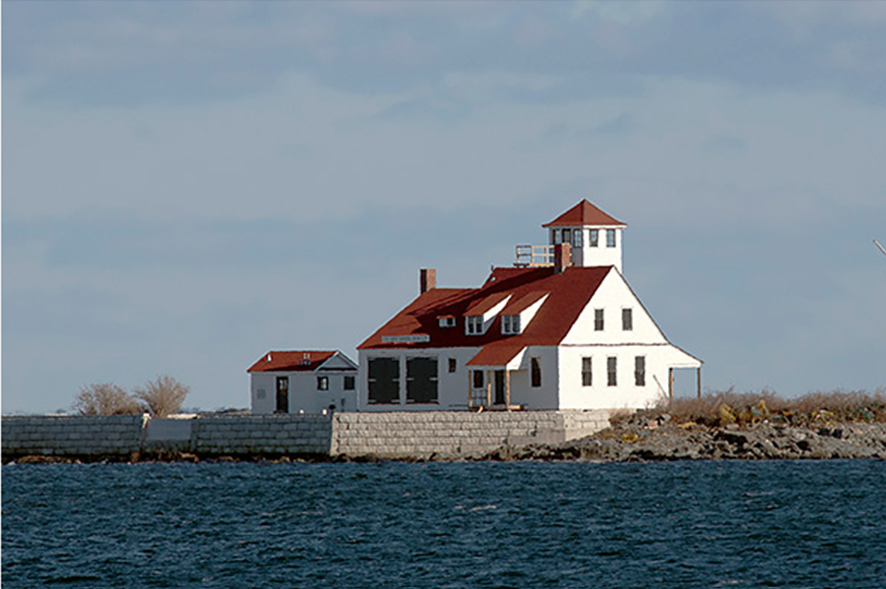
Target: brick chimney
{"type": "Point", "coordinates": [562, 257]}
{"type": "Point", "coordinates": [427, 279]}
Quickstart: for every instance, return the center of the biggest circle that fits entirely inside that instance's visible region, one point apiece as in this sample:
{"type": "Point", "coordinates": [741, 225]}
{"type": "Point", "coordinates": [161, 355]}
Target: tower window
{"type": "Point", "coordinates": [567, 235]}
{"type": "Point", "coordinates": [594, 237]}
{"type": "Point", "coordinates": [577, 237]}
{"type": "Point", "coordinates": [598, 319]}
{"type": "Point", "coordinates": [610, 238]}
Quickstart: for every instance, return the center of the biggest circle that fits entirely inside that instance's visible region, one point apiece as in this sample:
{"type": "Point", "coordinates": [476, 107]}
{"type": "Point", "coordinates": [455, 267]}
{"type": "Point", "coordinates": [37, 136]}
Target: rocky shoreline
{"type": "Point", "coordinates": [665, 442]}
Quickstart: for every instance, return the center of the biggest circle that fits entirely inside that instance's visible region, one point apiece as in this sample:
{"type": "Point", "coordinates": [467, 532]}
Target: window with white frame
{"type": "Point", "coordinates": [612, 371]}
{"type": "Point", "coordinates": [446, 321]}
{"type": "Point", "coordinates": [640, 371]}
{"type": "Point", "coordinates": [594, 237]}
{"type": "Point", "coordinates": [510, 324]}
{"type": "Point", "coordinates": [577, 237]}
{"type": "Point", "coordinates": [322, 383]}
{"type": "Point", "coordinates": [587, 376]}
{"type": "Point", "coordinates": [627, 320]}
{"type": "Point", "coordinates": [610, 238]}
{"type": "Point", "coordinates": [474, 325]}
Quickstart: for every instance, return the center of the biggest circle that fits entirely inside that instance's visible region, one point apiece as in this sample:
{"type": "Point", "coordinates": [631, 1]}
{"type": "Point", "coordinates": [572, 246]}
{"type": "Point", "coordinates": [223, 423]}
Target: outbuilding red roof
{"type": "Point", "coordinates": [584, 213]}
{"type": "Point", "coordinates": [568, 294]}
{"type": "Point", "coordinates": [291, 361]}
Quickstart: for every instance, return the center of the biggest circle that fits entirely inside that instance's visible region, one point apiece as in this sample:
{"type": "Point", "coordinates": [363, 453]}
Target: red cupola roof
{"type": "Point", "coordinates": [584, 213]}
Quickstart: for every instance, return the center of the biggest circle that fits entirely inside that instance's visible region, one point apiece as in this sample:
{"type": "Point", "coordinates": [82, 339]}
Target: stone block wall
{"type": "Point", "coordinates": [262, 434]}
{"type": "Point", "coordinates": [456, 434]}
{"type": "Point", "coordinates": [81, 436]}
{"type": "Point", "coordinates": [414, 435]}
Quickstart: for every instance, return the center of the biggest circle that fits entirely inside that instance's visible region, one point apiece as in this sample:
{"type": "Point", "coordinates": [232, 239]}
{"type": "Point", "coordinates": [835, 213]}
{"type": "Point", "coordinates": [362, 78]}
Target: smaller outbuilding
{"type": "Point", "coordinates": [303, 381]}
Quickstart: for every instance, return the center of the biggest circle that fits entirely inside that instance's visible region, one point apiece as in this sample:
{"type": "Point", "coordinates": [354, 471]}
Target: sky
{"type": "Point", "coordinates": [187, 185]}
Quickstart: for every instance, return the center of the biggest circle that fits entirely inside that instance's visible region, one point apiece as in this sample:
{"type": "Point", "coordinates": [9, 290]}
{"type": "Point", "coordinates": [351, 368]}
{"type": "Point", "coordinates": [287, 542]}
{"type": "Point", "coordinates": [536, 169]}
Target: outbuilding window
{"type": "Point", "coordinates": [452, 364]}
{"type": "Point", "coordinates": [349, 384]}
{"type": "Point", "coordinates": [478, 379]}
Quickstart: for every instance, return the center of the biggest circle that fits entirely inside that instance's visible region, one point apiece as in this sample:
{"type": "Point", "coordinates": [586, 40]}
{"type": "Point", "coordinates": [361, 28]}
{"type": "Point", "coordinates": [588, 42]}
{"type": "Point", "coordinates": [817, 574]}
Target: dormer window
{"type": "Point", "coordinates": [446, 321]}
{"type": "Point", "coordinates": [510, 324]}
{"type": "Point", "coordinates": [474, 325]}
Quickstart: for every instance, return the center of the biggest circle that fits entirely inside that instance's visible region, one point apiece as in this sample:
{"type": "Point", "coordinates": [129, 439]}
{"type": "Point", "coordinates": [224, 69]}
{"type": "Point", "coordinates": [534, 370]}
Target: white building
{"type": "Point", "coordinates": [562, 329]}
{"type": "Point", "coordinates": [302, 381]}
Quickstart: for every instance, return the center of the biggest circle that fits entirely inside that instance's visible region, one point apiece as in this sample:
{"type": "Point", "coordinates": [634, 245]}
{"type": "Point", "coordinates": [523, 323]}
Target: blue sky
{"type": "Point", "coordinates": [187, 185]}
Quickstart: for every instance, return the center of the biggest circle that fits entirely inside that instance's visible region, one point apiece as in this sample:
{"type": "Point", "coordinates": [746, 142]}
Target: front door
{"type": "Point", "coordinates": [499, 398]}
{"type": "Point", "coordinates": [282, 394]}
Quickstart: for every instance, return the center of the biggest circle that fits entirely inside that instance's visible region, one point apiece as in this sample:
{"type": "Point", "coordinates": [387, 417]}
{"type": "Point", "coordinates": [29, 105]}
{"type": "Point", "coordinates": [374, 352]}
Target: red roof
{"type": "Point", "coordinates": [568, 294]}
{"type": "Point", "coordinates": [291, 361]}
{"type": "Point", "coordinates": [584, 213]}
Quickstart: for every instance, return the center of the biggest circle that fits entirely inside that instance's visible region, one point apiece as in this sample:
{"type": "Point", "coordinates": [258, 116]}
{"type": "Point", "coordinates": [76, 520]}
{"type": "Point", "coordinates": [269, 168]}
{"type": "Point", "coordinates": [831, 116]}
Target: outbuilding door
{"type": "Point", "coordinates": [282, 394]}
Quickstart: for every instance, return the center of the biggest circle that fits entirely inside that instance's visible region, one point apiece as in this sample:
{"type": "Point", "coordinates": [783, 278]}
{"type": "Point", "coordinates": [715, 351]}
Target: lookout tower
{"type": "Point", "coordinates": [595, 237]}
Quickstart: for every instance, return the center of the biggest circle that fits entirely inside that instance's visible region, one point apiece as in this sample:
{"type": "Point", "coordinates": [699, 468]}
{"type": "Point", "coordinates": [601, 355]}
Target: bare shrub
{"type": "Point", "coordinates": [720, 408]}
{"type": "Point", "coordinates": [162, 397]}
{"type": "Point", "coordinates": [104, 399]}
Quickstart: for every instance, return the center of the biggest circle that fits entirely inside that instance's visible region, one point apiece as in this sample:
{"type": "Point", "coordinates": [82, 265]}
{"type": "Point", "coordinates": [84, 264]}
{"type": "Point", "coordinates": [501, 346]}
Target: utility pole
{"type": "Point", "coordinates": [880, 247]}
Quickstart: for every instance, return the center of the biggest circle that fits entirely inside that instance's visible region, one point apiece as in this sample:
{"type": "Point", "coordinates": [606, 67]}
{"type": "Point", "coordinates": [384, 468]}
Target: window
{"type": "Point", "coordinates": [478, 379]}
{"type": "Point", "coordinates": [567, 236]}
{"type": "Point", "coordinates": [536, 372]}
{"type": "Point", "coordinates": [474, 325]}
{"type": "Point", "coordinates": [322, 383]}
{"type": "Point", "coordinates": [452, 365]}
{"type": "Point", "coordinates": [598, 319]}
{"type": "Point", "coordinates": [587, 378]}
{"type": "Point", "coordinates": [510, 324]}
{"type": "Point", "coordinates": [384, 380]}
{"type": "Point", "coordinates": [594, 236]}
{"type": "Point", "coordinates": [612, 371]}
{"type": "Point", "coordinates": [627, 320]}
{"type": "Point", "coordinates": [556, 236]}
{"type": "Point", "coordinates": [447, 321]}
{"type": "Point", "coordinates": [610, 238]}
{"type": "Point", "coordinates": [640, 371]}
{"type": "Point", "coordinates": [349, 384]}
{"type": "Point", "coordinates": [576, 237]}
{"type": "Point", "coordinates": [421, 380]}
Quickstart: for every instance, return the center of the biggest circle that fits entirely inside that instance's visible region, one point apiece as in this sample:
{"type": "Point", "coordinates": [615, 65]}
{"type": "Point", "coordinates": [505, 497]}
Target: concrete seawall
{"type": "Point", "coordinates": [353, 435]}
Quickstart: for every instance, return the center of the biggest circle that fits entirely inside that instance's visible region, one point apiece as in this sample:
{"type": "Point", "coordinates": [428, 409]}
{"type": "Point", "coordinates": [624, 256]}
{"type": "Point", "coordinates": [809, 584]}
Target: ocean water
{"type": "Point", "coordinates": [390, 525]}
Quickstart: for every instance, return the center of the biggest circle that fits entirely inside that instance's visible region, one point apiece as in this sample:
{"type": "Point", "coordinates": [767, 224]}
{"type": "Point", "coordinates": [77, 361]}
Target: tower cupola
{"type": "Point", "coordinates": [595, 237]}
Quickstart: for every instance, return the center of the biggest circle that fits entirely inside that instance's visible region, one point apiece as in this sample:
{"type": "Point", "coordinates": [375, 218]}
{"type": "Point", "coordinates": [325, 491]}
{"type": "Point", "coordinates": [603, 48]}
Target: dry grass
{"type": "Point", "coordinates": [721, 408]}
